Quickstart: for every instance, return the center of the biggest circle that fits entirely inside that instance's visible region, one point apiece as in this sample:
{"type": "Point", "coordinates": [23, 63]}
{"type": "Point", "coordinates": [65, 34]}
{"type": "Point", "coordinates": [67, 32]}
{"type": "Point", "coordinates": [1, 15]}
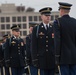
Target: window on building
{"type": "Point", "coordinates": [3, 33]}
{"type": "Point", "coordinates": [7, 19]}
{"type": "Point", "coordinates": [21, 33]}
{"type": "Point", "coordinates": [24, 33]}
{"type": "Point", "coordinates": [2, 19]}
{"type": "Point", "coordinates": [24, 26]}
{"type": "Point", "coordinates": [19, 19]}
{"type": "Point", "coordinates": [2, 26]}
{"type": "Point", "coordinates": [52, 17]}
{"type": "Point", "coordinates": [8, 32]}
{"type": "Point", "coordinates": [30, 18]}
{"type": "Point", "coordinates": [24, 18]}
{"type": "Point", "coordinates": [35, 18]}
{"type": "Point", "coordinates": [56, 16]}
{"type": "Point", "coordinates": [13, 24]}
{"type": "Point", "coordinates": [13, 19]}
{"type": "Point", "coordinates": [7, 26]}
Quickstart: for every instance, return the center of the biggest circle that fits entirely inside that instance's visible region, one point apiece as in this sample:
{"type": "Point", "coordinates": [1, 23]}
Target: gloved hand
{"type": "Point", "coordinates": [7, 63]}
{"type": "Point", "coordinates": [57, 60]}
{"type": "Point", "coordinates": [27, 62]}
{"type": "Point", "coordinates": [1, 62]}
{"type": "Point", "coordinates": [35, 62]}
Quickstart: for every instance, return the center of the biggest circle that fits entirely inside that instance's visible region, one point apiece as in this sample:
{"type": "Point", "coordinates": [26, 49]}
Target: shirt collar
{"type": "Point", "coordinates": [45, 25]}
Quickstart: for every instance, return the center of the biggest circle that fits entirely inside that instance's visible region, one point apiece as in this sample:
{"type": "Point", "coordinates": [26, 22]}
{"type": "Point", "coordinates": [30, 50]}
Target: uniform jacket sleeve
{"type": "Point", "coordinates": [28, 54]}
{"type": "Point", "coordinates": [7, 51]}
{"type": "Point", "coordinates": [34, 44]}
{"type": "Point", "coordinates": [57, 38]}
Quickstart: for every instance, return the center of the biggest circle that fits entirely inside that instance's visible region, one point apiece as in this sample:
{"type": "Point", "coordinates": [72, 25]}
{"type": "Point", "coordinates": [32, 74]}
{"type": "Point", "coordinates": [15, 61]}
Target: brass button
{"type": "Point", "coordinates": [46, 36]}
{"type": "Point", "coordinates": [18, 47]}
{"type": "Point", "coordinates": [47, 41]}
{"type": "Point", "coordinates": [46, 45]}
{"type": "Point", "coordinates": [41, 37]}
{"type": "Point", "coordinates": [18, 50]}
{"type": "Point", "coordinates": [46, 49]}
{"type": "Point", "coordinates": [19, 53]}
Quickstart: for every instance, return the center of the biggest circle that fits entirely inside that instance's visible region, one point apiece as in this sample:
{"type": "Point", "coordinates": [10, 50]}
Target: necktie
{"type": "Point", "coordinates": [46, 27]}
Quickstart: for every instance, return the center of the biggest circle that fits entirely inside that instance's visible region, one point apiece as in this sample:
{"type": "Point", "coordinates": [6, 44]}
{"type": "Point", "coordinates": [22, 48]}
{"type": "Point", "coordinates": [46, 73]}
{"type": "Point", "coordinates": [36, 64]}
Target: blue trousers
{"type": "Point", "coordinates": [47, 71]}
{"type": "Point", "coordinates": [1, 70]}
{"type": "Point", "coordinates": [7, 71]}
{"type": "Point", "coordinates": [68, 69]}
{"type": "Point", "coordinates": [33, 70]}
{"type": "Point", "coordinates": [18, 71]}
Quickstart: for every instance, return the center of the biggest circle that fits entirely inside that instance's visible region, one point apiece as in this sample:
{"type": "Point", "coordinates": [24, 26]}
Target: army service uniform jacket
{"type": "Point", "coordinates": [65, 39]}
{"type": "Point", "coordinates": [28, 49]}
{"type": "Point", "coordinates": [43, 47]}
{"type": "Point", "coordinates": [1, 56]}
{"type": "Point", "coordinates": [14, 52]}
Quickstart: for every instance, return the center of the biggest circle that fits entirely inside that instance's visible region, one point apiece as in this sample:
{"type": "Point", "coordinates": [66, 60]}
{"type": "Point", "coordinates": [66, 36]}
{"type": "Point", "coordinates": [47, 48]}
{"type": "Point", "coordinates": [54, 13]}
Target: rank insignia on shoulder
{"type": "Point", "coordinates": [22, 44]}
{"type": "Point", "coordinates": [41, 33]}
{"type": "Point", "coordinates": [13, 42]}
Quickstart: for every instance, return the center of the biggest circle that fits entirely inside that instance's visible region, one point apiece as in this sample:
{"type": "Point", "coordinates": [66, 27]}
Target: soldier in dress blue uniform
{"type": "Point", "coordinates": [33, 70]}
{"type": "Point", "coordinates": [43, 44]}
{"type": "Point", "coordinates": [65, 40]}
{"type": "Point", "coordinates": [3, 48]}
{"type": "Point", "coordinates": [1, 53]}
{"type": "Point", "coordinates": [1, 57]}
{"type": "Point", "coordinates": [14, 52]}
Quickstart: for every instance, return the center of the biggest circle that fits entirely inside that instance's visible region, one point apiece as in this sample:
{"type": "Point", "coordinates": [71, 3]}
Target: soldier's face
{"type": "Point", "coordinates": [16, 33]}
{"type": "Point", "coordinates": [45, 18]}
{"type": "Point", "coordinates": [61, 12]}
{"type": "Point", "coordinates": [31, 28]}
{"type": "Point", "coordinates": [4, 40]}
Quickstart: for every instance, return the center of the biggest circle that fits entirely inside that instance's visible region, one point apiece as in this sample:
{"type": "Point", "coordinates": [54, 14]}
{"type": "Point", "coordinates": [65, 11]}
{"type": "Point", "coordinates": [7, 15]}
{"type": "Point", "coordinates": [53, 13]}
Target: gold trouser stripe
{"type": "Point", "coordinates": [3, 70]}
{"type": "Point", "coordinates": [59, 70]}
{"type": "Point", "coordinates": [29, 70]}
{"type": "Point", "coordinates": [10, 71]}
{"type": "Point", "coordinates": [0, 71]}
{"type": "Point", "coordinates": [38, 71]}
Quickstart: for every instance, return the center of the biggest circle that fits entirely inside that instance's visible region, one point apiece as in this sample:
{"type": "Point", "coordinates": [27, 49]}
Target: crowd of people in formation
{"type": "Point", "coordinates": [49, 49]}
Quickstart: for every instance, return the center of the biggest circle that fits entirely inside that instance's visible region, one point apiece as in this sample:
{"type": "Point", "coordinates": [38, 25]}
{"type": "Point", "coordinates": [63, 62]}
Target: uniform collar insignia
{"type": "Point", "coordinates": [50, 26]}
{"type": "Point", "coordinates": [42, 26]}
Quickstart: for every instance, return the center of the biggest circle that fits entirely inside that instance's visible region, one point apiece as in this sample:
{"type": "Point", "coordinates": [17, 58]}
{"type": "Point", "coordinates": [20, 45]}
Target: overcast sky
{"type": "Point", "coordinates": [38, 4]}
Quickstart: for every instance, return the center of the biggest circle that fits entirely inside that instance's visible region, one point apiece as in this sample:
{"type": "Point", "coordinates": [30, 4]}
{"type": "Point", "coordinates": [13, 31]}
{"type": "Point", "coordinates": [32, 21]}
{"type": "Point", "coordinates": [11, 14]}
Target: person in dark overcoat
{"type": "Point", "coordinates": [65, 40]}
